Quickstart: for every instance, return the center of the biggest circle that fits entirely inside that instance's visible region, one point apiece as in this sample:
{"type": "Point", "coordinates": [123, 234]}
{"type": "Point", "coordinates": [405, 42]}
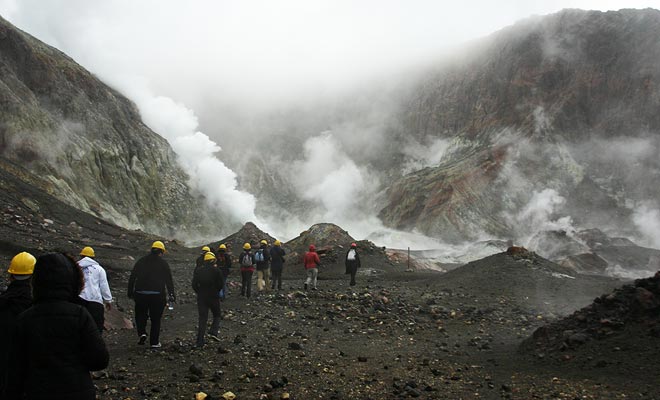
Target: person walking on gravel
{"type": "Point", "coordinates": [56, 342]}
{"type": "Point", "coordinates": [200, 260]}
{"type": "Point", "coordinates": [311, 262]}
{"type": "Point", "coordinates": [96, 295]}
{"type": "Point", "coordinates": [207, 283]}
{"type": "Point", "coordinates": [352, 262]}
{"type": "Point", "coordinates": [146, 286]}
{"type": "Point", "coordinates": [224, 263]}
{"type": "Point", "coordinates": [277, 254]}
{"type": "Point", "coordinates": [16, 299]}
{"type": "Point", "coordinates": [246, 260]}
{"type": "Point", "coordinates": [262, 259]}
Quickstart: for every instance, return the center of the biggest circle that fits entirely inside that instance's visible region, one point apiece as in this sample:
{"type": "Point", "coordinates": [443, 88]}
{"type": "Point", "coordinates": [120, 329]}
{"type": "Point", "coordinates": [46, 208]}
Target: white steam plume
{"type": "Point", "coordinates": [647, 220]}
{"type": "Point", "coordinates": [421, 155]}
{"type": "Point", "coordinates": [207, 174]}
{"type": "Point", "coordinates": [537, 214]}
{"type": "Point", "coordinates": [332, 180]}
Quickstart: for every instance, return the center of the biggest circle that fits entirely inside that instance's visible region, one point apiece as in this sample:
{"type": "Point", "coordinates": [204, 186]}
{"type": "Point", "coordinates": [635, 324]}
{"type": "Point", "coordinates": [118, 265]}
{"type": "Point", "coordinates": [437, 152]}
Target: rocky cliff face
{"type": "Point", "coordinates": [567, 102]}
{"type": "Point", "coordinates": [87, 142]}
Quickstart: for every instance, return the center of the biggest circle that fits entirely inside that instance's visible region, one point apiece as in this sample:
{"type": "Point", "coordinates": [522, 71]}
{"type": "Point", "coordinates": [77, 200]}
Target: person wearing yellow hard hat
{"type": "Point", "coordinates": [96, 292]}
{"type": "Point", "coordinates": [200, 260]}
{"type": "Point", "coordinates": [246, 260]}
{"type": "Point", "coordinates": [277, 254]}
{"type": "Point", "coordinates": [207, 282]}
{"type": "Point", "coordinates": [224, 263]}
{"type": "Point", "coordinates": [16, 299]}
{"type": "Point", "coordinates": [262, 259]}
{"type": "Point", "coordinates": [147, 285]}
{"type": "Point", "coordinates": [56, 343]}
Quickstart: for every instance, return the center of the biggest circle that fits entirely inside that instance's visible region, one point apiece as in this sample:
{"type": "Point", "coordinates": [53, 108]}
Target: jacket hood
{"type": "Point", "coordinates": [87, 262]}
{"type": "Point", "coordinates": [56, 277]}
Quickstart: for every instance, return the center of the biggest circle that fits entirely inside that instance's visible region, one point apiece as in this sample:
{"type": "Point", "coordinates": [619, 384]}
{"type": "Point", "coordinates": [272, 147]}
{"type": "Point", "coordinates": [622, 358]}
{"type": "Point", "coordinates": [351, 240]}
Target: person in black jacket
{"type": "Point", "coordinates": [224, 263]}
{"type": "Point", "coordinates": [16, 299]}
{"type": "Point", "coordinates": [207, 282]}
{"type": "Point", "coordinates": [277, 254]}
{"type": "Point", "coordinates": [146, 286]}
{"type": "Point", "coordinates": [200, 260]}
{"type": "Point", "coordinates": [352, 262]}
{"type": "Point", "coordinates": [56, 341]}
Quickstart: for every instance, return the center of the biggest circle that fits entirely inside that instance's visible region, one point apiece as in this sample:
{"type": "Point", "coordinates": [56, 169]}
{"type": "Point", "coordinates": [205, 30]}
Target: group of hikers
{"type": "Point", "coordinates": [52, 314]}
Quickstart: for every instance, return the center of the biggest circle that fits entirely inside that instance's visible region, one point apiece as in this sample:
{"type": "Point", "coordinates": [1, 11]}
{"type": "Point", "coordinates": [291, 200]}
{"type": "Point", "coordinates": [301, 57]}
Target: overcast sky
{"type": "Point", "coordinates": [251, 52]}
{"type": "Point", "coordinates": [182, 60]}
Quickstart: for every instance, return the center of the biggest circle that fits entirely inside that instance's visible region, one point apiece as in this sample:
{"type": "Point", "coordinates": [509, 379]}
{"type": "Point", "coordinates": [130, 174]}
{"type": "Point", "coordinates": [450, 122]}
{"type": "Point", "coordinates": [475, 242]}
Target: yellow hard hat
{"type": "Point", "coordinates": [222, 247]}
{"type": "Point", "coordinates": [208, 256]}
{"type": "Point", "coordinates": [247, 246]}
{"type": "Point", "coordinates": [206, 248]}
{"type": "Point", "coordinates": [158, 245]}
{"type": "Point", "coordinates": [263, 242]}
{"type": "Point", "coordinates": [277, 243]}
{"type": "Point", "coordinates": [22, 264]}
{"type": "Point", "coordinates": [87, 252]}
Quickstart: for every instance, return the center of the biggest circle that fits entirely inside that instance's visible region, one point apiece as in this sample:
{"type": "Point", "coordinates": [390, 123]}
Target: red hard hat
{"type": "Point", "coordinates": [353, 245]}
{"type": "Point", "coordinates": [312, 247]}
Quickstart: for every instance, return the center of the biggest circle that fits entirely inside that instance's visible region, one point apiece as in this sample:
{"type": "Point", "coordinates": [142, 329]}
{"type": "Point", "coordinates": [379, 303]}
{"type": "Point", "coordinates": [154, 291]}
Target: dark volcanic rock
{"type": "Point", "coordinates": [330, 241]}
{"type": "Point", "coordinates": [627, 315]}
{"type": "Point", "coordinates": [249, 233]}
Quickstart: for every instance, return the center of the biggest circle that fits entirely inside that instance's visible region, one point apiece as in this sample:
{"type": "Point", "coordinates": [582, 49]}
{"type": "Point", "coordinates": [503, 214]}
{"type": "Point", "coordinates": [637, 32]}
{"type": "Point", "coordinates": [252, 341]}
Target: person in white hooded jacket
{"type": "Point", "coordinates": [96, 292]}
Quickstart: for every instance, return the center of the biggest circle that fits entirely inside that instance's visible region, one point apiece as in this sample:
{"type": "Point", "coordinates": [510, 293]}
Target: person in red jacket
{"type": "Point", "coordinates": [311, 262]}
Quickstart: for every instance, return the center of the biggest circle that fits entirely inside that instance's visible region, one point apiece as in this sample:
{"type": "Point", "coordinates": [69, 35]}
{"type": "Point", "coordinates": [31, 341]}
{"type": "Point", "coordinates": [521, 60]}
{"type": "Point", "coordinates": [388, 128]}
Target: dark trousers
{"type": "Point", "coordinates": [276, 277]}
{"type": "Point", "coordinates": [351, 268]}
{"type": "Point", "coordinates": [204, 304]}
{"type": "Point", "coordinates": [149, 306]}
{"type": "Point", "coordinates": [246, 283]}
{"type": "Point", "coordinates": [97, 312]}
{"type": "Point", "coordinates": [224, 291]}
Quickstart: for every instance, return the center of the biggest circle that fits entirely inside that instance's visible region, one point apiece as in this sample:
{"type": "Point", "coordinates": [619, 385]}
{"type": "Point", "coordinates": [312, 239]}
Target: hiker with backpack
{"type": "Point", "coordinates": [311, 262]}
{"type": "Point", "coordinates": [352, 262]}
{"type": "Point", "coordinates": [277, 254]}
{"type": "Point", "coordinates": [246, 259]}
{"type": "Point", "coordinates": [262, 259]}
{"type": "Point", "coordinates": [224, 263]}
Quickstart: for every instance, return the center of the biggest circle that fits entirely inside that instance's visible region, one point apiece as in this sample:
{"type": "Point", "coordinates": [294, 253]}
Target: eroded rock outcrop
{"type": "Point", "coordinates": [86, 142]}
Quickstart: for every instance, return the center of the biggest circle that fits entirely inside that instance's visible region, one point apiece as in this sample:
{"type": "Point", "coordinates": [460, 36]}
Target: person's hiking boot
{"type": "Point", "coordinates": [143, 339]}
{"type": "Point", "coordinates": [314, 288]}
{"type": "Point", "coordinates": [214, 337]}
{"type": "Point", "coordinates": [156, 346]}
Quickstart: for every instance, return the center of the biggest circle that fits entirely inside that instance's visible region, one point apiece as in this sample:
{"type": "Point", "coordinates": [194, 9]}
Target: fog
{"type": "Point", "coordinates": [211, 77]}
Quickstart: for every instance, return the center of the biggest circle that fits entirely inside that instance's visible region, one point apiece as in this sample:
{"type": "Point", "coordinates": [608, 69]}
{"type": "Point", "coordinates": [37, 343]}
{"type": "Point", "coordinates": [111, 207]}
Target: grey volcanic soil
{"type": "Point", "coordinates": [394, 335]}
